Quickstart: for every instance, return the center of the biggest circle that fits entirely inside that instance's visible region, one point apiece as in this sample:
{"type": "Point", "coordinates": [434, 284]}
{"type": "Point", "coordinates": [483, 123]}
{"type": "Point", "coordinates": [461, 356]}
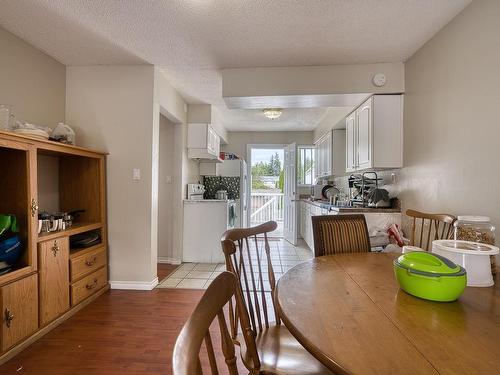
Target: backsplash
{"type": "Point", "coordinates": [214, 183]}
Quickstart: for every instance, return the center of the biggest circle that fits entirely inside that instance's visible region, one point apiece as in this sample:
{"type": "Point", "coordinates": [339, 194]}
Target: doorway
{"type": "Point", "coordinates": [166, 173]}
{"type": "Point", "coordinates": [266, 185]}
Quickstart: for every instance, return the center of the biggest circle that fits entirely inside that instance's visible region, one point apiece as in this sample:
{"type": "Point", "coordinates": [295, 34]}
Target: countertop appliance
{"type": "Point", "coordinates": [195, 191]}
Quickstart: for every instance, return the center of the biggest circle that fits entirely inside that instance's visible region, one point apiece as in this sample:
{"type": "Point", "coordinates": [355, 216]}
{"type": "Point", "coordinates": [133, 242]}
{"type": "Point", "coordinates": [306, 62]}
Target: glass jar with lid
{"type": "Point", "coordinates": [476, 229]}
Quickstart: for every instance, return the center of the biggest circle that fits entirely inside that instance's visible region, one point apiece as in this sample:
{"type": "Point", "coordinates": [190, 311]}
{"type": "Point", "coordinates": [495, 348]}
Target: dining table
{"type": "Point", "coordinates": [349, 312]}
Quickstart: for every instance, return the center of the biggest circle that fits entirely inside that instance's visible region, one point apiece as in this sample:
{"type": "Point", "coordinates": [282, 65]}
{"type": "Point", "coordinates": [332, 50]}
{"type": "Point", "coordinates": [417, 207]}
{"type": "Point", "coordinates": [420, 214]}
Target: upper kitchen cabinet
{"type": "Point", "coordinates": [203, 142]}
{"type": "Point", "coordinates": [330, 154]}
{"type": "Point", "coordinates": [323, 149]}
{"type": "Point", "coordinates": [374, 134]}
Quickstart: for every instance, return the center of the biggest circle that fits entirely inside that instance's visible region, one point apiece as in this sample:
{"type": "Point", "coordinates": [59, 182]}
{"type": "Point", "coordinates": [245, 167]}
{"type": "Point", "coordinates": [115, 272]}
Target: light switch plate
{"type": "Point", "coordinates": [168, 179]}
{"type": "Point", "coordinates": [136, 174]}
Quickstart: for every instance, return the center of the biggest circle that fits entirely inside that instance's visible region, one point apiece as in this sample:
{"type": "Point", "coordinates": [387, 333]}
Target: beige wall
{"type": "Point", "coordinates": [111, 108]}
{"type": "Point", "coordinates": [166, 188]}
{"type": "Point", "coordinates": [452, 131]}
{"type": "Point", "coordinates": [304, 80]}
{"type": "Point", "coordinates": [238, 141]}
{"type": "Point", "coordinates": [32, 82]}
{"type": "Point", "coordinates": [169, 103]}
{"type": "Point", "coordinates": [332, 118]}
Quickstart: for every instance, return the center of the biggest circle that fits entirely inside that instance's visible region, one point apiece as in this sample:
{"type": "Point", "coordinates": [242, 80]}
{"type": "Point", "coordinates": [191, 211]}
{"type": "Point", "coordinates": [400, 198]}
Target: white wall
{"type": "Point", "coordinates": [32, 82]}
{"type": "Point", "coordinates": [111, 108]}
{"type": "Point", "coordinates": [452, 130]}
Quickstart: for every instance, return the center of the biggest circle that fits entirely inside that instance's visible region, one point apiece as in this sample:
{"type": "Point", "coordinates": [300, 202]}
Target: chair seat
{"type": "Point", "coordinates": [281, 353]}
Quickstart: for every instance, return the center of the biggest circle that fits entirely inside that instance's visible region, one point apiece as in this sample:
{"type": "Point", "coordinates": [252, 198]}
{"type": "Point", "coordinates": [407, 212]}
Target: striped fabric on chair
{"type": "Point", "coordinates": [337, 234]}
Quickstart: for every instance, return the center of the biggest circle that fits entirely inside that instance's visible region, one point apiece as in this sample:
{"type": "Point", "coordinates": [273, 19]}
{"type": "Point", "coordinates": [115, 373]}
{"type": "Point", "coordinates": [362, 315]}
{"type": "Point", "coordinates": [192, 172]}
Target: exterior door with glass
{"type": "Point", "coordinates": [290, 191]}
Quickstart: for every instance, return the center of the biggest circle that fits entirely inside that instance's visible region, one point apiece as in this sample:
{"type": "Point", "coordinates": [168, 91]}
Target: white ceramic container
{"type": "Point", "coordinates": [473, 256]}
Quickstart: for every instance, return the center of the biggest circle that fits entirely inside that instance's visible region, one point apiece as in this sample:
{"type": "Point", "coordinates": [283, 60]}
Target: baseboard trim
{"type": "Point", "coordinates": [134, 285]}
{"type": "Point", "coordinates": [167, 260]}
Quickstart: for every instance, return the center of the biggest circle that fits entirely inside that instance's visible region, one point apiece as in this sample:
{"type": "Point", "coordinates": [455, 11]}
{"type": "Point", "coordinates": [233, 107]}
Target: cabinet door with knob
{"type": "Point", "coordinates": [19, 311]}
{"type": "Point", "coordinates": [53, 262]}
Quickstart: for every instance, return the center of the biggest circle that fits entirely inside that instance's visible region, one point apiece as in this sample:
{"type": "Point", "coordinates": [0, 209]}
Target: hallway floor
{"type": "Point", "coordinates": [199, 275]}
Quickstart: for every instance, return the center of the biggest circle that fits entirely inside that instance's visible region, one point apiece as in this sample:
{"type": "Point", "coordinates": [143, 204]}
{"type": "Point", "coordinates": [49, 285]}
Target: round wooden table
{"type": "Point", "coordinates": [348, 311]}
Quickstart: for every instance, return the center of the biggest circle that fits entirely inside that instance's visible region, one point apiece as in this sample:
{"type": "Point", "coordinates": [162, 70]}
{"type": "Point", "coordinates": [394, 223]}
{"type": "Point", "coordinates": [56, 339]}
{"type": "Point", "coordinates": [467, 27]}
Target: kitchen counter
{"type": "Point", "coordinates": [377, 219]}
{"type": "Point", "coordinates": [328, 206]}
{"type": "Point", "coordinates": [206, 200]}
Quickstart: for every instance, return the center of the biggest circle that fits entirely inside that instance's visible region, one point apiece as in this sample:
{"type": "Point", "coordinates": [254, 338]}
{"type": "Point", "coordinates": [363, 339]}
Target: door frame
{"type": "Point", "coordinates": [251, 146]}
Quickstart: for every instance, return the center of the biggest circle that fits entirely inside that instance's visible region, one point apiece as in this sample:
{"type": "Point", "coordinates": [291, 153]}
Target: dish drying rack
{"type": "Point", "coordinates": [364, 185]}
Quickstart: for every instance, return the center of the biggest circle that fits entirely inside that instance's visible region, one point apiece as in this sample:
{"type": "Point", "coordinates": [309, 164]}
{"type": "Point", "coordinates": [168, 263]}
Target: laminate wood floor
{"type": "Point", "coordinates": [122, 332]}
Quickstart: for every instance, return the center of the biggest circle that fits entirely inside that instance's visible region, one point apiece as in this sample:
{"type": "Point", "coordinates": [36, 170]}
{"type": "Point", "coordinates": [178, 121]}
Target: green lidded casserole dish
{"type": "Point", "coordinates": [430, 276]}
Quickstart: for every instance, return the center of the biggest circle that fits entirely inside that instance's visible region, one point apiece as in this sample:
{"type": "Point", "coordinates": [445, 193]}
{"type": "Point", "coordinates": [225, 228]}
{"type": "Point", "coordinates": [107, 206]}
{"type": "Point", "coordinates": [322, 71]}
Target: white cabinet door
{"type": "Point", "coordinates": [328, 153]}
{"type": "Point", "coordinates": [364, 138]}
{"type": "Point", "coordinates": [350, 124]}
{"type": "Point", "coordinates": [210, 140]}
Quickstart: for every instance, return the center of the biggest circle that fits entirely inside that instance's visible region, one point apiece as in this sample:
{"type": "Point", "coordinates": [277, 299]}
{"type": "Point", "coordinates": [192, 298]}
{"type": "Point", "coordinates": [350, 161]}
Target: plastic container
{"type": "Point", "coordinates": [6, 117]}
{"type": "Point", "coordinates": [473, 256]}
{"type": "Point", "coordinates": [63, 133]}
{"type": "Point", "coordinates": [476, 229]}
{"type": "Point", "coordinates": [430, 276]}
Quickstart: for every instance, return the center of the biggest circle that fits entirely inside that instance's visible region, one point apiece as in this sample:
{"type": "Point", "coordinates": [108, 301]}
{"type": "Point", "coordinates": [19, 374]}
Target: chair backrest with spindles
{"type": "Point", "coordinates": [339, 234]}
{"type": "Point", "coordinates": [429, 227]}
{"type": "Point", "coordinates": [186, 357]}
{"type": "Point", "coordinates": [247, 254]}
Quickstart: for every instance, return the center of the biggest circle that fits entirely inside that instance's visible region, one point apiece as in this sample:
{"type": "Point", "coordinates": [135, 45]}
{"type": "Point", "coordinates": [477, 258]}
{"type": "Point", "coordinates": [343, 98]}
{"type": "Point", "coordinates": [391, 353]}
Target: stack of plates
{"type": "Point", "coordinates": [35, 133]}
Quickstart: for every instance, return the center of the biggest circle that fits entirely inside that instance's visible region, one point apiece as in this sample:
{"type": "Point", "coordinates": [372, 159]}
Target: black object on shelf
{"type": "Point", "coordinates": [86, 239]}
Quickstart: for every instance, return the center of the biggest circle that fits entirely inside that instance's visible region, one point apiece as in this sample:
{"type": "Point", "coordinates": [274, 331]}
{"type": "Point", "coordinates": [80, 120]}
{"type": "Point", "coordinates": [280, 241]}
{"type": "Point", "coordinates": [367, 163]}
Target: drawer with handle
{"type": "Point", "coordinates": [87, 263]}
{"type": "Point", "coordinates": [88, 285]}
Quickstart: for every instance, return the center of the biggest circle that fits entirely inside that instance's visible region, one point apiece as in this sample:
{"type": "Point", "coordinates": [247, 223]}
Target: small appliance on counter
{"type": "Point", "coordinates": [221, 195]}
{"type": "Point", "coordinates": [430, 276]}
{"type": "Point", "coordinates": [195, 192]}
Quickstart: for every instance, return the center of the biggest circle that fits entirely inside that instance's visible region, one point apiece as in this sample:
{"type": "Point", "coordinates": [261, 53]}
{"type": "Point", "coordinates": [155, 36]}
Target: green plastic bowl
{"type": "Point", "coordinates": [430, 276]}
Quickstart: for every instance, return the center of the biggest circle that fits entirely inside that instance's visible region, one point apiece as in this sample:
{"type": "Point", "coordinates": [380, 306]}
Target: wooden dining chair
{"type": "Point", "coordinates": [427, 227]}
{"type": "Point", "coordinates": [267, 347]}
{"type": "Point", "coordinates": [337, 234]}
{"type": "Point", "coordinates": [186, 357]}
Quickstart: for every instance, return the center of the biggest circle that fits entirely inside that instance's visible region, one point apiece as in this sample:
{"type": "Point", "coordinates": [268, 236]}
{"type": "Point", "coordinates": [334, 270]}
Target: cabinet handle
{"type": "Point", "coordinates": [34, 207]}
{"type": "Point", "coordinates": [55, 248]}
{"type": "Point", "coordinates": [91, 286]}
{"type": "Point", "coordinates": [91, 262]}
{"type": "Point", "coordinates": [9, 317]}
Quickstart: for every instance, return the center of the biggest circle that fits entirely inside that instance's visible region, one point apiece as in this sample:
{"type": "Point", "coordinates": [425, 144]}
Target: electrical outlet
{"type": "Point", "coordinates": [168, 179]}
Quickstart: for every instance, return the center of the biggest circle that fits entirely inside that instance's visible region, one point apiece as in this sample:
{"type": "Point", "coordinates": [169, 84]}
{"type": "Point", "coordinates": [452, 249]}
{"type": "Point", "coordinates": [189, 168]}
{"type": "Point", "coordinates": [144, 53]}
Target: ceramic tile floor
{"type": "Point", "coordinates": [199, 275]}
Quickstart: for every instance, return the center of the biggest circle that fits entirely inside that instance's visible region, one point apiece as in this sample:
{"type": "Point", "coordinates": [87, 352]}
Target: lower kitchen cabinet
{"type": "Point", "coordinates": [19, 308]}
{"type": "Point", "coordinates": [53, 261]}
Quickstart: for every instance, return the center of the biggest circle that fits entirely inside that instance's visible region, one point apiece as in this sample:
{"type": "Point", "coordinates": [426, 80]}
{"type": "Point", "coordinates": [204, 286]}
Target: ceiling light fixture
{"type": "Point", "coordinates": [272, 113]}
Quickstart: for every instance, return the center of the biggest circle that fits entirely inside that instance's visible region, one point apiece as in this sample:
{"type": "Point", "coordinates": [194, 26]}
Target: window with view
{"type": "Point", "coordinates": [305, 165]}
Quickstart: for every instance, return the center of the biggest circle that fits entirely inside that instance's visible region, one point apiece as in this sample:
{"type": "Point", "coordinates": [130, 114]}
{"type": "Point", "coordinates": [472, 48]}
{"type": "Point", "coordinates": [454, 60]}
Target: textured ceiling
{"type": "Point", "coordinates": [292, 119]}
{"type": "Point", "coordinates": [193, 39]}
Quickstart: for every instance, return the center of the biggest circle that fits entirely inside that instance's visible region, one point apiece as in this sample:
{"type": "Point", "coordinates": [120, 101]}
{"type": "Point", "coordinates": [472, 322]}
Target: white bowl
{"type": "Point", "coordinates": [473, 256]}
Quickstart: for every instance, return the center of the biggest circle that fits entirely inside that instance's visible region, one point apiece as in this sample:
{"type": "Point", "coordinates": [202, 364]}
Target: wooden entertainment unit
{"type": "Point", "coordinates": [52, 280]}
